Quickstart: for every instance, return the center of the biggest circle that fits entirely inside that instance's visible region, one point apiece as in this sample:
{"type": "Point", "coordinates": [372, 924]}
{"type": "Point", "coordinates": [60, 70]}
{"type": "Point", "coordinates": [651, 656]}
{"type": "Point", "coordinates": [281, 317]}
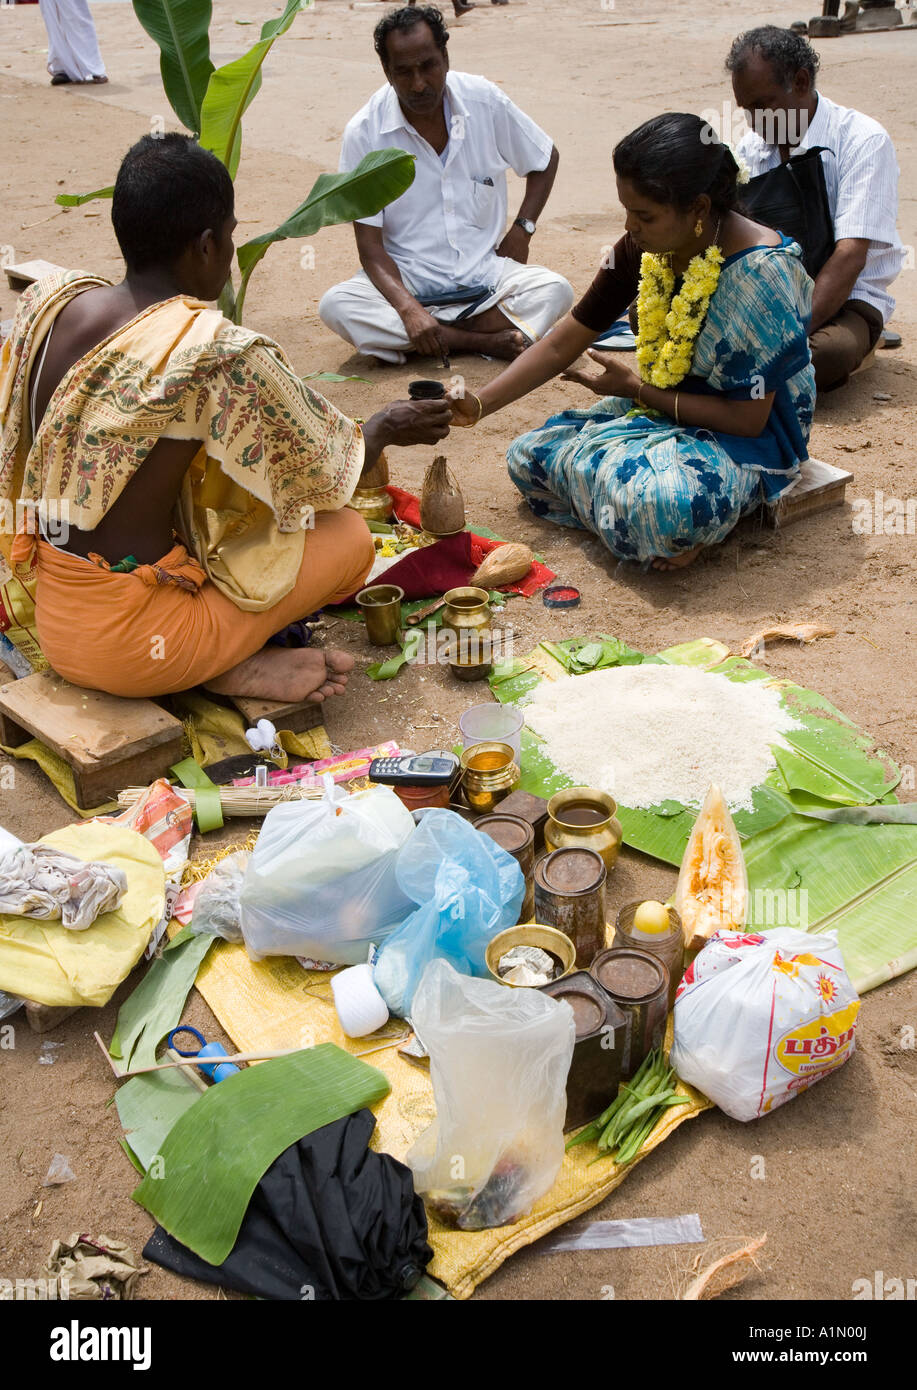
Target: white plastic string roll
{"type": "Point", "coordinates": [361, 1008]}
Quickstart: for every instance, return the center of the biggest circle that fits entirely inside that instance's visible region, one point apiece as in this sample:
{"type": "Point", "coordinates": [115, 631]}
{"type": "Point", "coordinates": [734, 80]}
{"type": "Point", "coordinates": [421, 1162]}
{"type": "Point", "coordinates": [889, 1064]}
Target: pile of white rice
{"type": "Point", "coordinates": [648, 734]}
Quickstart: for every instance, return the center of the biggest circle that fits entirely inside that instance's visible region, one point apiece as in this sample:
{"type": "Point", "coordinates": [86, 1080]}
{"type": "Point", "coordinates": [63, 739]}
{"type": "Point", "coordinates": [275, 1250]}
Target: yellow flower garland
{"type": "Point", "coordinates": [667, 326]}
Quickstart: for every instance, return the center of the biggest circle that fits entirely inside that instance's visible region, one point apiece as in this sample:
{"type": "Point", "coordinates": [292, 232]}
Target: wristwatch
{"type": "Point", "coordinates": [525, 224]}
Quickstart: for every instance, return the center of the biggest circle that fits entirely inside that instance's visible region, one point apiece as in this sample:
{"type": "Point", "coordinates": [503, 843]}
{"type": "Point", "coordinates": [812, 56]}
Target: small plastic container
{"type": "Point", "coordinates": [493, 723]}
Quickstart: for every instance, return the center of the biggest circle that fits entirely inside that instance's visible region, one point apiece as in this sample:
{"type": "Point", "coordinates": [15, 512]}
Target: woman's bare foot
{"type": "Point", "coordinates": [290, 674]}
{"type": "Point", "coordinates": [678, 562]}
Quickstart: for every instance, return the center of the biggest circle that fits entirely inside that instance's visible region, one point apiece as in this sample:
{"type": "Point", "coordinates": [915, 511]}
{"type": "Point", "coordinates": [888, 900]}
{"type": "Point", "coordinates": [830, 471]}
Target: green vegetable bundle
{"type": "Point", "coordinates": [625, 1126]}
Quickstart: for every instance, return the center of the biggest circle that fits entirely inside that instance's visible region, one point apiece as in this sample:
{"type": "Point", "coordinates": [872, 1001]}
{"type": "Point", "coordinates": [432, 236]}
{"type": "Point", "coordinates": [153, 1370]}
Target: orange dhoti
{"type": "Point", "coordinates": [167, 627]}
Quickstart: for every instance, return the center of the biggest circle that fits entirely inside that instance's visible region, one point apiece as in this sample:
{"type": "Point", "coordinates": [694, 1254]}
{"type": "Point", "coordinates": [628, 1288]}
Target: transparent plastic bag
{"type": "Point", "coordinates": [321, 879]}
{"type": "Point", "coordinates": [468, 888]}
{"type": "Point", "coordinates": [216, 910]}
{"type": "Point", "coordinates": [499, 1059]}
{"type": "Point", "coordinates": [761, 1016]}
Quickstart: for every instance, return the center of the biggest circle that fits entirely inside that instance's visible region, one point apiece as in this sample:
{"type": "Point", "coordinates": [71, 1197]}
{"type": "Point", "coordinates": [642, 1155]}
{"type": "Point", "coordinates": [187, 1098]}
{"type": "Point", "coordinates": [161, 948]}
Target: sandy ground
{"type": "Point", "coordinates": [836, 1198]}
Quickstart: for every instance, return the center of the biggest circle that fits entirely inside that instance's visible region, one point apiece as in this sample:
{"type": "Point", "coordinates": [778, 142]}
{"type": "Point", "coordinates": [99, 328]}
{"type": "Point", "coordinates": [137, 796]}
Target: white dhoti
{"type": "Point", "coordinates": [72, 44]}
{"type": "Point", "coordinates": [531, 297]}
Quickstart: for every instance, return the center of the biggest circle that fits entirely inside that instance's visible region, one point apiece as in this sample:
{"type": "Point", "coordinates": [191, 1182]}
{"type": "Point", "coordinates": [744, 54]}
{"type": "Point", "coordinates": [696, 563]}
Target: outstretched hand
{"type": "Point", "coordinates": [615, 379]}
{"type": "Point", "coordinates": [417, 422]}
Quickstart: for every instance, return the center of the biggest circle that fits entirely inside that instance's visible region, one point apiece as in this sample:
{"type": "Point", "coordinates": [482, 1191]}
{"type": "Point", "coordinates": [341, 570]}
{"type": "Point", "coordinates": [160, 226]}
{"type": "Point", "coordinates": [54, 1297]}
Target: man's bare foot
{"type": "Point", "coordinates": [290, 674]}
{"type": "Point", "coordinates": [679, 562]}
{"type": "Point", "coordinates": [504, 342]}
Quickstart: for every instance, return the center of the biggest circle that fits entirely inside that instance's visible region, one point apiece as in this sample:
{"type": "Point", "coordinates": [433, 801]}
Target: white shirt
{"type": "Point", "coordinates": [441, 233]}
{"type": "Point", "coordinates": [861, 176]}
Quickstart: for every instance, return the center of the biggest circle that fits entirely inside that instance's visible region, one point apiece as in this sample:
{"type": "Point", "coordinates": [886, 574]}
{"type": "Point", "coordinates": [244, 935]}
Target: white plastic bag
{"type": "Point", "coordinates": [321, 878]}
{"type": "Point", "coordinates": [759, 1017]}
{"type": "Point", "coordinates": [499, 1059]}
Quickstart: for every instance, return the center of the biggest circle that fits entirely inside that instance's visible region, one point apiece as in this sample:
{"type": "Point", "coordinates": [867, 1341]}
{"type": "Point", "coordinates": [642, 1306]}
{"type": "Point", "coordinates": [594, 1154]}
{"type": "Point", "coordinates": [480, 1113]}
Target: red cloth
{"type": "Point", "coordinates": [407, 509]}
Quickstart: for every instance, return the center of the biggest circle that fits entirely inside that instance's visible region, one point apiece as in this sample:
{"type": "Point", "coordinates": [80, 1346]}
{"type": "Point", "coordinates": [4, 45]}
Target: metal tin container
{"type": "Point", "coordinates": [570, 894]}
{"type": "Point", "coordinates": [531, 934]}
{"type": "Point", "coordinates": [517, 837]}
{"type": "Point", "coordinates": [488, 775]}
{"type": "Point", "coordinates": [584, 816]}
{"type": "Point", "coordinates": [598, 1053]}
{"type": "Point", "coordinates": [417, 798]}
{"type": "Point", "coordinates": [380, 605]}
{"type": "Point", "coordinates": [668, 946]}
{"type": "Point", "coordinates": [467, 616]}
{"type": "Point", "coordinates": [639, 984]}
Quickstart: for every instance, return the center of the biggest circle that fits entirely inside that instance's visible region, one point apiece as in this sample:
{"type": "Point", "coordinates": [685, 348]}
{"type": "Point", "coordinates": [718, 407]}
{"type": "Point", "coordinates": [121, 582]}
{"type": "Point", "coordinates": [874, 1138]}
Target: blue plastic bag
{"type": "Point", "coordinates": [468, 887]}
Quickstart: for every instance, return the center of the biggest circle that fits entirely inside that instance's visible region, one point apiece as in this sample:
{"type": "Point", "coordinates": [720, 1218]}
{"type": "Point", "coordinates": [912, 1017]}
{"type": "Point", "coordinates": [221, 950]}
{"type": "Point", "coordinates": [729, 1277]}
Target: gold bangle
{"type": "Point", "coordinates": [640, 396]}
{"type": "Point", "coordinates": [480, 406]}
{"type": "Point", "coordinates": [677, 421]}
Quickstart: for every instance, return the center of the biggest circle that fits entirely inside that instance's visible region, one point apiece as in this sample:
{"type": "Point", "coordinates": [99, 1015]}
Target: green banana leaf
{"type": "Point", "coordinates": [148, 1107]}
{"type": "Point", "coordinates": [181, 30]}
{"type": "Point", "coordinates": [155, 1006]}
{"type": "Point", "coordinates": [76, 200]}
{"type": "Point", "coordinates": [860, 881]}
{"type": "Point", "coordinates": [378, 179]}
{"type": "Point", "coordinates": [216, 1153]}
{"type": "Point", "coordinates": [232, 89]}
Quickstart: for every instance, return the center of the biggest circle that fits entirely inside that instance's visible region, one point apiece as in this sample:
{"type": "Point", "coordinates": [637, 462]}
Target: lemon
{"type": "Point", "coordinates": [652, 918]}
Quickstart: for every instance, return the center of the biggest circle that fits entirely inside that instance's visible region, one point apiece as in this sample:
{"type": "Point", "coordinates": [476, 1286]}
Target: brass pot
{"type": "Point", "coordinates": [564, 827]}
{"type": "Point", "coordinates": [467, 616]}
{"type": "Point", "coordinates": [532, 934]}
{"type": "Point", "coordinates": [488, 775]}
{"type": "Point", "coordinates": [373, 503]}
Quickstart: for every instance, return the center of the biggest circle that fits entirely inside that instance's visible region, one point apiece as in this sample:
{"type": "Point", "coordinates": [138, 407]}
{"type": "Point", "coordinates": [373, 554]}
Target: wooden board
{"type": "Point", "coordinates": [820, 485]}
{"type": "Point", "coordinates": [27, 272]}
{"type": "Point", "coordinates": [109, 742]}
{"type": "Point", "coordinates": [297, 718]}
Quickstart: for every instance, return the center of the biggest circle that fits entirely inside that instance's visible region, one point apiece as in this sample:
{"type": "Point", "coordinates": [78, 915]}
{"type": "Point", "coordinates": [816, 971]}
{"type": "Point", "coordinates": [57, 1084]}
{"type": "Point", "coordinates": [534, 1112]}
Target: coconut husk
{"type": "Point", "coordinates": [504, 565]}
{"type": "Point", "coordinates": [799, 632]}
{"type": "Point", "coordinates": [442, 506]}
{"type": "Point", "coordinates": [725, 1272]}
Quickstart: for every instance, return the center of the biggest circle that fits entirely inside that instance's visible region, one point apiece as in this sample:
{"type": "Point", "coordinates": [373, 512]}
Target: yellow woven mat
{"type": "Point", "coordinates": [274, 1003]}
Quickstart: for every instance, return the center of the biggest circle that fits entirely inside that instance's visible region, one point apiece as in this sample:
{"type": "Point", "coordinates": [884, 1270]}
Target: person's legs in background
{"type": "Point", "coordinates": [841, 344]}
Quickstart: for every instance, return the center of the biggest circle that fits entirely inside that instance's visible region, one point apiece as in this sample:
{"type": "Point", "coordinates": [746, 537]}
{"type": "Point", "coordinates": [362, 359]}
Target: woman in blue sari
{"type": "Point", "coordinates": [717, 418]}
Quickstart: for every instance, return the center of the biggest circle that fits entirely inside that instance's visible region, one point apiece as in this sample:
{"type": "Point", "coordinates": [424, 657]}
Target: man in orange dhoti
{"type": "Point", "coordinates": [173, 494]}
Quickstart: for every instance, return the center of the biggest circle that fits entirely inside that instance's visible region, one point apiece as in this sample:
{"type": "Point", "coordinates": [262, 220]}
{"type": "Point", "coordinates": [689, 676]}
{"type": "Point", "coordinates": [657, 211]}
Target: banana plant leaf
{"type": "Point", "coordinates": [378, 179]}
{"type": "Point", "coordinates": [76, 200]}
{"type": "Point", "coordinates": [155, 1006]}
{"type": "Point", "coordinates": [859, 880]}
{"type": "Point", "coordinates": [215, 1154]}
{"type": "Point", "coordinates": [181, 30]}
{"type": "Point", "coordinates": [148, 1107]}
{"type": "Point", "coordinates": [232, 89]}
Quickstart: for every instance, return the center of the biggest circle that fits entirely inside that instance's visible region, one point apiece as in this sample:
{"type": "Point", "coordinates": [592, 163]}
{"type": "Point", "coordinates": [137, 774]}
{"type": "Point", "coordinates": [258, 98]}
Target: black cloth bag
{"type": "Point", "coordinates": [330, 1219]}
{"type": "Point", "coordinates": [793, 199]}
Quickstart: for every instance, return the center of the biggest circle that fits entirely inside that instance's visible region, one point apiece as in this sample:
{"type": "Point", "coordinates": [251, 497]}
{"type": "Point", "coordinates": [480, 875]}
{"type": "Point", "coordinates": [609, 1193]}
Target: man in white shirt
{"type": "Point", "coordinates": [440, 274]}
{"type": "Point", "coordinates": [773, 78]}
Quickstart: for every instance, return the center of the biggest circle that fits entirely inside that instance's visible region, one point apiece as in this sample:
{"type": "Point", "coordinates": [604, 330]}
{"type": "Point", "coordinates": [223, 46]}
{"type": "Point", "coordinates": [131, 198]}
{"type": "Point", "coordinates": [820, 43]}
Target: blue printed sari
{"type": "Point", "coordinates": [648, 487]}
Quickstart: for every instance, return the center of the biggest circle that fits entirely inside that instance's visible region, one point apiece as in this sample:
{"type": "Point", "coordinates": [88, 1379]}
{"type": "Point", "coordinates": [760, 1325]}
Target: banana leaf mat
{"type": "Point", "coordinates": [274, 1003]}
{"type": "Point", "coordinates": [858, 879]}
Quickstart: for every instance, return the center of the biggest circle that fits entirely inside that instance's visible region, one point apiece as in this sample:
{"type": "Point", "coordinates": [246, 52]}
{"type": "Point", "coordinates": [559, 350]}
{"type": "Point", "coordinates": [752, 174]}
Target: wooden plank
{"type": "Point", "coordinates": [820, 485]}
{"type": "Point", "coordinates": [27, 272]}
{"type": "Point", "coordinates": [108, 741]}
{"type": "Point", "coordinates": [41, 1018]}
{"type": "Point", "coordinates": [296, 717]}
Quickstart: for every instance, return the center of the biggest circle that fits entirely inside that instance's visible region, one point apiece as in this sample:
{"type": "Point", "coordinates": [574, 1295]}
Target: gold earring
{"type": "Point", "coordinates": [698, 228]}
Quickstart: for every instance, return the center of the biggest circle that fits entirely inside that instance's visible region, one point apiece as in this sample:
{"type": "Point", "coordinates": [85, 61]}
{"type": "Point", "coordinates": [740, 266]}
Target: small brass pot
{"type": "Point", "coordinates": [467, 616]}
{"type": "Point", "coordinates": [548, 938]}
{"type": "Point", "coordinates": [488, 775]}
{"type": "Point", "coordinates": [373, 503]}
{"type": "Point", "coordinates": [380, 605]}
{"type": "Point", "coordinates": [604, 836]}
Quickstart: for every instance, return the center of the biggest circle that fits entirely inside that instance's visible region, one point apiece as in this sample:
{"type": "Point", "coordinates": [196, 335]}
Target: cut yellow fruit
{"type": "Point", "coordinates": [651, 918]}
{"type": "Point", "coordinates": [712, 890]}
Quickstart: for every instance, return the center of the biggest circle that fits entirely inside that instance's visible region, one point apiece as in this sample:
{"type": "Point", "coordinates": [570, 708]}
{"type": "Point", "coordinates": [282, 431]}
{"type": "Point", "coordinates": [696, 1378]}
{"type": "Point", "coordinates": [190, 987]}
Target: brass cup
{"type": "Point", "coordinates": [604, 837]}
{"type": "Point", "coordinates": [485, 787]}
{"type": "Point", "coordinates": [548, 938]}
{"type": "Point", "coordinates": [380, 605]}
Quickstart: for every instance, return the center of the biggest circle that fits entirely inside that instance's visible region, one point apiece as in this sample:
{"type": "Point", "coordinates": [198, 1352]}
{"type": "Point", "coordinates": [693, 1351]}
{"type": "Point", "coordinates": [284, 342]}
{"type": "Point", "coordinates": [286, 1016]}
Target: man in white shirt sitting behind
{"type": "Point", "coordinates": [773, 78]}
{"type": "Point", "coordinates": [440, 274]}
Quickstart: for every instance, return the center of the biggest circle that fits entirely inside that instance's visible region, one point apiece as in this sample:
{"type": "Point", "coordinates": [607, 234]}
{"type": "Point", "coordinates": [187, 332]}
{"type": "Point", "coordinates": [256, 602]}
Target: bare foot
{"type": "Point", "coordinates": [508, 344]}
{"type": "Point", "coordinates": [679, 562]}
{"type": "Point", "coordinates": [287, 673]}
{"type": "Point", "coordinates": [502, 342]}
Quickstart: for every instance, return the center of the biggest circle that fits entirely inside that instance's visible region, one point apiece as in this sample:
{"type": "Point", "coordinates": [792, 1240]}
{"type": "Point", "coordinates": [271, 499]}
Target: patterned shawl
{"type": "Point", "coordinates": [272, 450]}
